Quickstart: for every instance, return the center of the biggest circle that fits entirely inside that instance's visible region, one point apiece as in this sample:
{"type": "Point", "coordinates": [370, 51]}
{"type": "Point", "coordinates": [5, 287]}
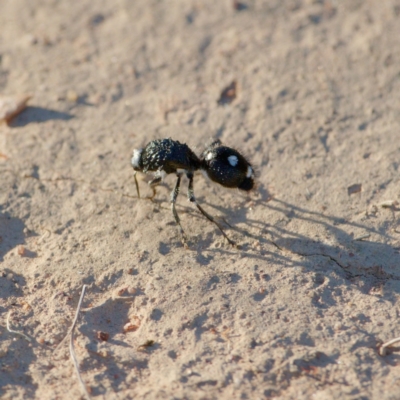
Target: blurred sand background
{"type": "Point", "coordinates": [299, 311]}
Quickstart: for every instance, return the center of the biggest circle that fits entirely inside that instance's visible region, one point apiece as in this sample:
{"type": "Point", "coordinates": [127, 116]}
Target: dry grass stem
{"type": "Point", "coordinates": [16, 332]}
{"type": "Point", "coordinates": [383, 348]}
{"type": "Point", "coordinates": [366, 236]}
{"type": "Point", "coordinates": [71, 346]}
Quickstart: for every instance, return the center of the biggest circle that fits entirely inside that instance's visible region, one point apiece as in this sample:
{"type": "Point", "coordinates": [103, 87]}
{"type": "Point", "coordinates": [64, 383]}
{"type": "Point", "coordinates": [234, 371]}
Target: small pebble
{"type": "Point", "coordinates": [21, 250]}
{"type": "Point", "coordinates": [72, 96]}
{"type": "Point", "coordinates": [11, 106]}
{"type": "Point", "coordinates": [103, 336]}
{"type": "Point", "coordinates": [133, 324]}
{"type": "Point", "coordinates": [121, 291]}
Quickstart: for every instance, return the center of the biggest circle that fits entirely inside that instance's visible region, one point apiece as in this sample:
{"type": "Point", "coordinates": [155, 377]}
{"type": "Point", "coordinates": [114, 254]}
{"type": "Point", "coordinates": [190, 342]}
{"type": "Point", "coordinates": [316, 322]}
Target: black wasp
{"type": "Point", "coordinates": [221, 164]}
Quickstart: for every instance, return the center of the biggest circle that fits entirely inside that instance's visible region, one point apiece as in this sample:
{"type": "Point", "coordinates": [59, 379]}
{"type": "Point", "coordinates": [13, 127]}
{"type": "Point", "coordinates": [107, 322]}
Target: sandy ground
{"type": "Point", "coordinates": [299, 311]}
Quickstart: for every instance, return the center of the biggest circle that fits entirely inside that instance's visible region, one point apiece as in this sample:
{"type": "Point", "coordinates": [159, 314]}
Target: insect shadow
{"type": "Point", "coordinates": [368, 264]}
{"type": "Point", "coordinates": [39, 115]}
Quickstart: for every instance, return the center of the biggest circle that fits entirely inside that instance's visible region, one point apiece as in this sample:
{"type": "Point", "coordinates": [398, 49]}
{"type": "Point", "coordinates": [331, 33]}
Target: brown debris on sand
{"type": "Point", "coordinates": [10, 106]}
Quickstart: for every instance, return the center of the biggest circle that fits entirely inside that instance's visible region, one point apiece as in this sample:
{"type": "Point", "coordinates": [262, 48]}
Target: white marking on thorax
{"type": "Point", "coordinates": [209, 156]}
{"type": "Point", "coordinates": [137, 153]}
{"type": "Point", "coordinates": [233, 160]}
{"type": "Point", "coordinates": [249, 172]}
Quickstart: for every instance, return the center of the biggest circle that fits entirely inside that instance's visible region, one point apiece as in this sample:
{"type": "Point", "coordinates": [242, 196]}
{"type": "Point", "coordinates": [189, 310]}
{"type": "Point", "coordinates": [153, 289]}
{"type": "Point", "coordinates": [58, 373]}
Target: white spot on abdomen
{"type": "Point", "coordinates": [233, 160]}
{"type": "Point", "coordinates": [249, 172]}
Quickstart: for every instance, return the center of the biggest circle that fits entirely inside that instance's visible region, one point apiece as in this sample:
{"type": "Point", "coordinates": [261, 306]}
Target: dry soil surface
{"type": "Point", "coordinates": [299, 310]}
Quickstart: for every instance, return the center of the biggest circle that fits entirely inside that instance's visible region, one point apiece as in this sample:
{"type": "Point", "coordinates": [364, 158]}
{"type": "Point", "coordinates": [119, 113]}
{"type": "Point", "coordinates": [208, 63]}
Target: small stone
{"type": "Point", "coordinates": [21, 250]}
{"type": "Point", "coordinates": [338, 326]}
{"type": "Point", "coordinates": [121, 291]}
{"type": "Point", "coordinates": [356, 188]}
{"type": "Point", "coordinates": [103, 336]}
{"type": "Point", "coordinates": [133, 325]}
{"type": "Point", "coordinates": [72, 96]}
{"type": "Point", "coordinates": [228, 94]}
{"type": "Point", "coordinates": [146, 345]}
{"type": "Point", "coordinates": [11, 106]}
{"type": "Point", "coordinates": [389, 204]}
{"type": "Point", "coordinates": [129, 327]}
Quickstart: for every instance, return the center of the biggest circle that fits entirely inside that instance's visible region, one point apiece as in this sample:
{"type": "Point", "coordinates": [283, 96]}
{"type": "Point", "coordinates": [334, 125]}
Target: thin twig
{"type": "Point", "coordinates": [389, 204]}
{"type": "Point", "coordinates": [366, 236]}
{"type": "Point", "coordinates": [123, 297]}
{"type": "Point", "coordinates": [383, 349]}
{"type": "Point", "coordinates": [16, 332]}
{"type": "Point", "coordinates": [71, 346]}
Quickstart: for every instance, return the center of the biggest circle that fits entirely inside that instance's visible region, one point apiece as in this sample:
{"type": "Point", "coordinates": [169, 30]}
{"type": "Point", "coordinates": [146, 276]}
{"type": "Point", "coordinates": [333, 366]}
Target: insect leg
{"type": "Point", "coordinates": [192, 199]}
{"type": "Point", "coordinates": [174, 195]}
{"type": "Point", "coordinates": [137, 184]}
{"type": "Point", "coordinates": [153, 183]}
